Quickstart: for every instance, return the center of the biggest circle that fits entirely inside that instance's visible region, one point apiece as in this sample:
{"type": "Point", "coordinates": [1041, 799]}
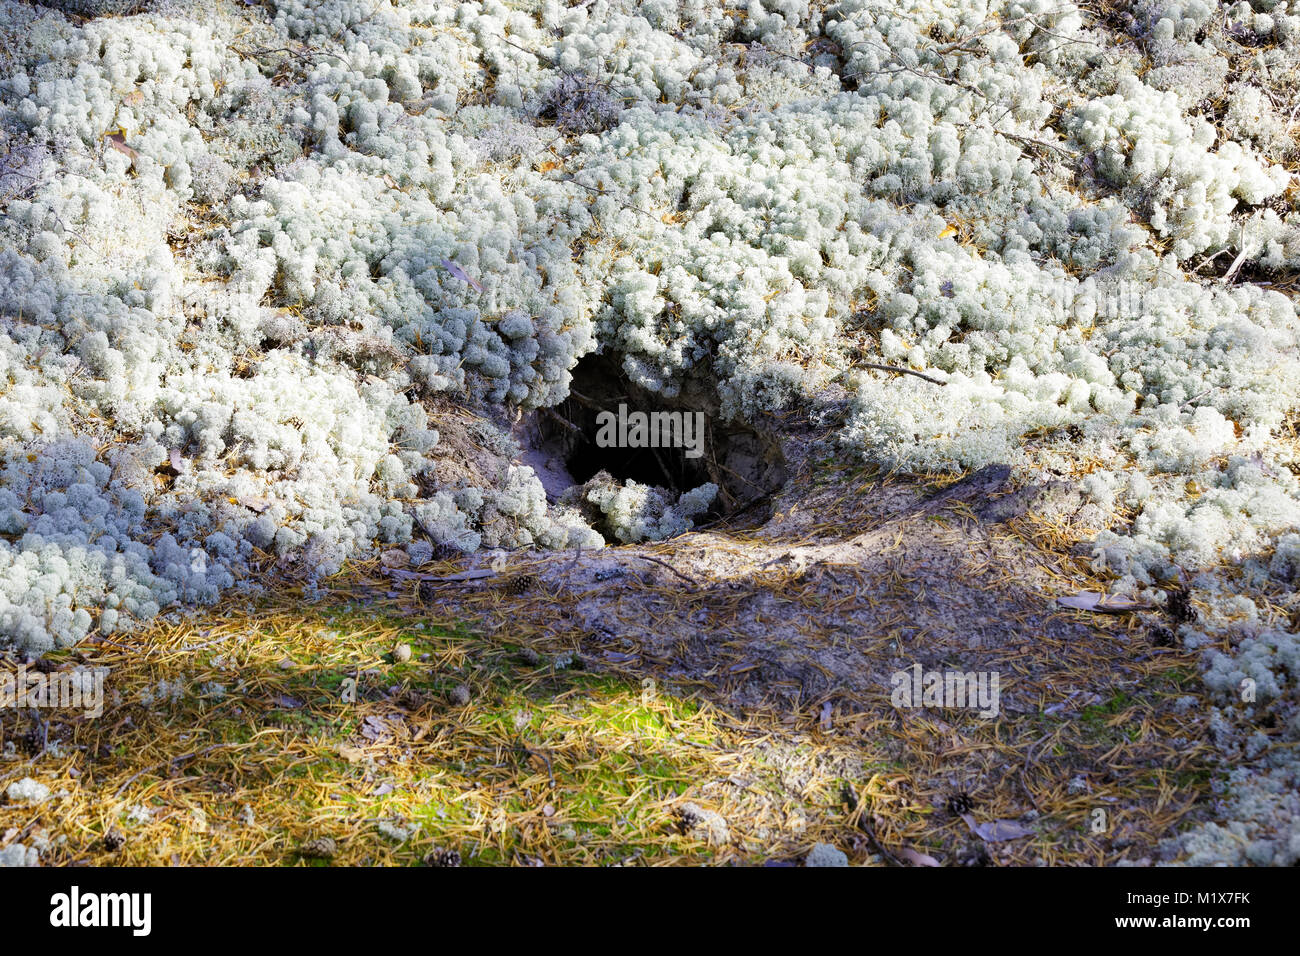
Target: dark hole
{"type": "Point", "coordinates": [741, 462]}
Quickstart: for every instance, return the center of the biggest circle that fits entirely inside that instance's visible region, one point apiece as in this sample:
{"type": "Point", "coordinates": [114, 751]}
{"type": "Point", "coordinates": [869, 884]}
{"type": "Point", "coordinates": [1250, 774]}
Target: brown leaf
{"type": "Point", "coordinates": [118, 142]}
{"type": "Point", "coordinates": [1102, 603]}
{"type": "Point", "coordinates": [997, 831]}
{"type": "Point", "coordinates": [375, 728]}
{"type": "Point", "coordinates": [460, 274]}
{"type": "Point", "coordinates": [916, 858]}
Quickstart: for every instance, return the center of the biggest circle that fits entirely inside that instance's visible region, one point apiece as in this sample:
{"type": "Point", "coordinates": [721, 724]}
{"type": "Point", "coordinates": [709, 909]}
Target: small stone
{"type": "Point", "coordinates": [529, 656]}
{"type": "Point", "coordinates": [402, 653]}
{"type": "Point", "coordinates": [285, 664]}
{"type": "Point", "coordinates": [823, 854]}
{"type": "Point", "coordinates": [459, 695]}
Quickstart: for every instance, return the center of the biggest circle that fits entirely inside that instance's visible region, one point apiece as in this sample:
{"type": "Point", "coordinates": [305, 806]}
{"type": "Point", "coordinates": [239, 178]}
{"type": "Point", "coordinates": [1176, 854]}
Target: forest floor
{"type": "Point", "coordinates": [723, 697]}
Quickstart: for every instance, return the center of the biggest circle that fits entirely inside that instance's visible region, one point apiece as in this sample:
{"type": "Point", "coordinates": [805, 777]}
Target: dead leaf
{"type": "Point", "coordinates": [287, 702]}
{"type": "Point", "coordinates": [351, 754]}
{"type": "Point", "coordinates": [460, 274]}
{"type": "Point", "coordinates": [916, 858]}
{"type": "Point", "coordinates": [175, 459]}
{"type": "Point", "coordinates": [118, 142]}
{"type": "Point", "coordinates": [254, 504]}
{"type": "Point", "coordinates": [826, 716]}
{"type": "Point", "coordinates": [1102, 603]}
{"type": "Point", "coordinates": [996, 831]}
{"type": "Point", "coordinates": [375, 728]}
{"type": "Point", "coordinates": [134, 98]}
{"type": "Point", "coordinates": [394, 558]}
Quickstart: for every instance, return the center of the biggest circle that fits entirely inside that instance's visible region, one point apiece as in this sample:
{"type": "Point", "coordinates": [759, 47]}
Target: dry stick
{"type": "Point", "coordinates": [1029, 759]}
{"type": "Point", "coordinates": [852, 799]}
{"type": "Point", "coordinates": [600, 192]}
{"type": "Point", "coordinates": [309, 56]}
{"type": "Point", "coordinates": [689, 580]}
{"type": "Point", "coordinates": [561, 420]}
{"type": "Point", "coordinates": [991, 26]}
{"type": "Point", "coordinates": [1237, 262]}
{"type": "Point", "coordinates": [1065, 40]}
{"type": "Point", "coordinates": [540, 56]}
{"type": "Point", "coordinates": [739, 509]}
{"type": "Point", "coordinates": [528, 751]}
{"type": "Point", "coordinates": [215, 640]}
{"type": "Point", "coordinates": [935, 77]}
{"type": "Point", "coordinates": [99, 639]}
{"type": "Point", "coordinates": [902, 371]}
{"type": "Point", "coordinates": [1030, 141]}
{"type": "Point", "coordinates": [1020, 138]}
{"type": "Point", "coordinates": [170, 760]}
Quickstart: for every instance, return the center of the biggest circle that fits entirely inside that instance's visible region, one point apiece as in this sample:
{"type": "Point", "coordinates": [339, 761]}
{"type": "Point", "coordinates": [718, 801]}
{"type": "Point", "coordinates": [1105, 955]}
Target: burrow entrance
{"type": "Point", "coordinates": [745, 464]}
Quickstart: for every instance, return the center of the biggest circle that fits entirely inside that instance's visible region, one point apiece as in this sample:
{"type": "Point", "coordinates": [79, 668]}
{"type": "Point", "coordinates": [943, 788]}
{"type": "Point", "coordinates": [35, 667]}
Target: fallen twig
{"type": "Point", "coordinates": [903, 371]}
{"type": "Point", "coordinates": [687, 578]}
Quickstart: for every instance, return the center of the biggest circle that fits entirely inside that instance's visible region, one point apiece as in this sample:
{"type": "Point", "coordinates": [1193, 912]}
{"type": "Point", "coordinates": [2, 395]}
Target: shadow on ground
{"type": "Point", "coordinates": [722, 697]}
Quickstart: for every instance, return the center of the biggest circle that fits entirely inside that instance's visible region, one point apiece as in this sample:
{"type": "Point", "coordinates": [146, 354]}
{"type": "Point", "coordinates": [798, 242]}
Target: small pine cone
{"type": "Point", "coordinates": [321, 848]}
{"type": "Point", "coordinates": [960, 802]}
{"type": "Point", "coordinates": [440, 857]}
{"type": "Point", "coordinates": [521, 584]}
{"type": "Point", "coordinates": [33, 740]}
{"type": "Point", "coordinates": [114, 840]}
